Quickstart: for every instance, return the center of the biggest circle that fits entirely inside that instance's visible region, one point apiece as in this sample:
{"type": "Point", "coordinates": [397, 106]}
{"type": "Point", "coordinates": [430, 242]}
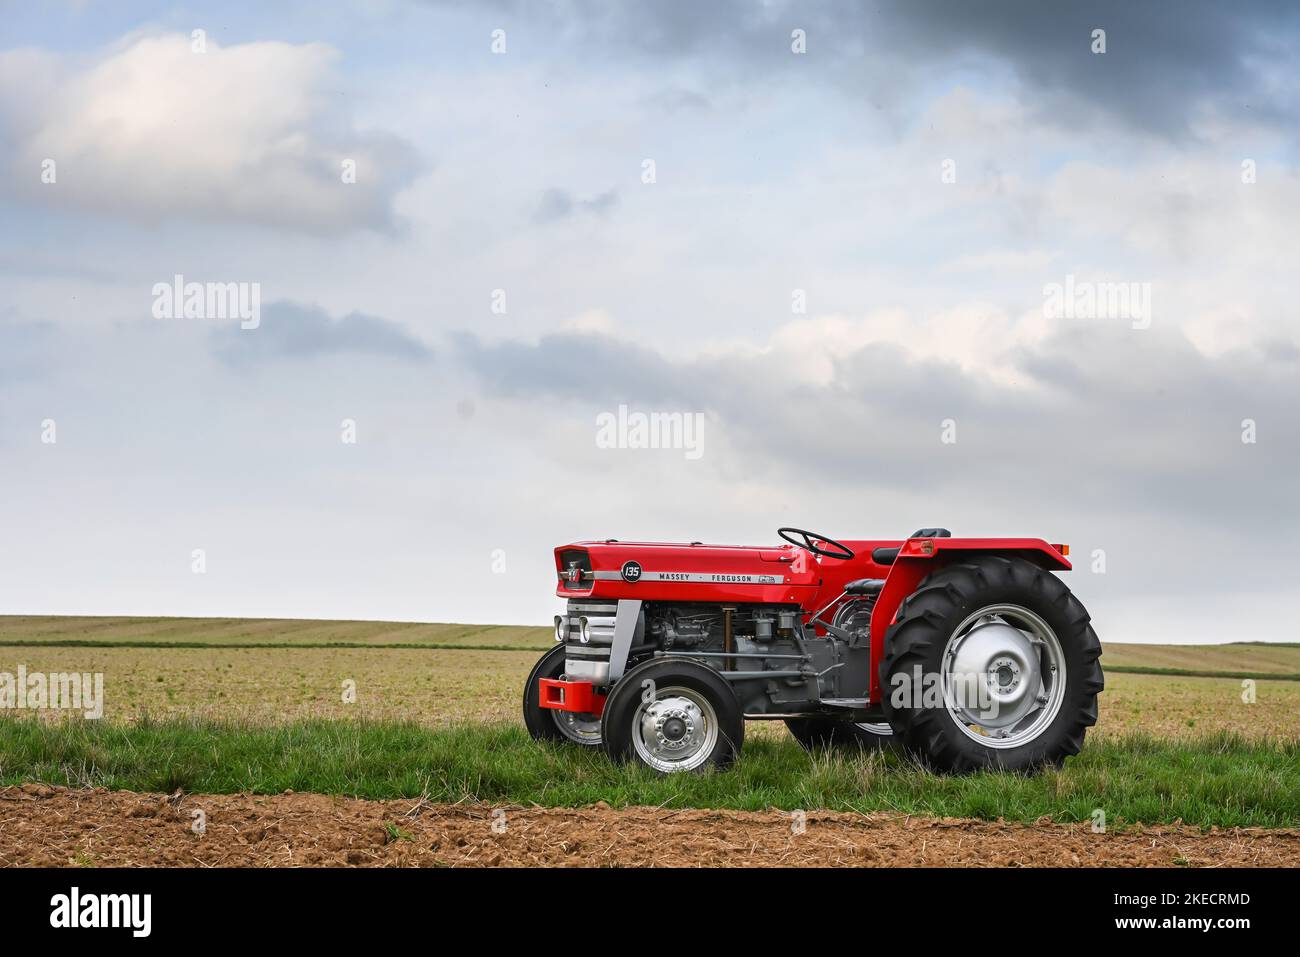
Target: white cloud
{"type": "Point", "coordinates": [592, 320]}
{"type": "Point", "coordinates": [152, 130]}
{"type": "Point", "coordinates": [977, 338]}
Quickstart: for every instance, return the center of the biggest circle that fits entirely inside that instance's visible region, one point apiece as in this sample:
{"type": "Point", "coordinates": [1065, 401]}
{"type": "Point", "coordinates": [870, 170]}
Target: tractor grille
{"type": "Point", "coordinates": [575, 570]}
{"type": "Point", "coordinates": [589, 660]}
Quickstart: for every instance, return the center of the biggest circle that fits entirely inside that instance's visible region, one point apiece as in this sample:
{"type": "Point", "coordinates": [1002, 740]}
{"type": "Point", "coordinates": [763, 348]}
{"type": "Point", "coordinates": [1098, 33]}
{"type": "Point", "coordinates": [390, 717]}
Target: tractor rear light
{"type": "Point", "coordinates": [561, 628]}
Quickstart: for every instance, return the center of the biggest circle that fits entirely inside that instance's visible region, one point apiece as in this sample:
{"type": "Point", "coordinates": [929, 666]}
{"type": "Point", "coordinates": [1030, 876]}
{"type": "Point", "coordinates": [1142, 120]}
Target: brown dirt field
{"type": "Point", "coordinates": [48, 826]}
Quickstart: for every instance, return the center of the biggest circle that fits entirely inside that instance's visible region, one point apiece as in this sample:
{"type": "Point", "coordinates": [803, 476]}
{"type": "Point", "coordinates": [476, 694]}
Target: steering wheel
{"type": "Point", "coordinates": [805, 541]}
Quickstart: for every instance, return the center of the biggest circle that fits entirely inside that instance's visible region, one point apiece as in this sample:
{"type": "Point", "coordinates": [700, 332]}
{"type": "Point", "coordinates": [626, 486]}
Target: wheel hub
{"type": "Point", "coordinates": [672, 724]}
{"type": "Point", "coordinates": [1003, 675]}
{"type": "Point", "coordinates": [676, 731]}
{"type": "Point", "coordinates": [674, 727]}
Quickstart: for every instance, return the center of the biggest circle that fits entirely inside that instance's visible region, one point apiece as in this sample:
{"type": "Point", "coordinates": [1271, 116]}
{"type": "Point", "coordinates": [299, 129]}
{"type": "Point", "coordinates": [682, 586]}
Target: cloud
{"type": "Point", "coordinates": [521, 369]}
{"type": "Point", "coordinates": [1166, 70]}
{"type": "Point", "coordinates": [1163, 65]}
{"type": "Point", "coordinates": [1098, 415]}
{"type": "Point", "coordinates": [150, 130]}
{"type": "Point", "coordinates": [292, 331]}
{"type": "Point", "coordinates": [559, 204]}
{"type": "Point", "coordinates": [1125, 443]}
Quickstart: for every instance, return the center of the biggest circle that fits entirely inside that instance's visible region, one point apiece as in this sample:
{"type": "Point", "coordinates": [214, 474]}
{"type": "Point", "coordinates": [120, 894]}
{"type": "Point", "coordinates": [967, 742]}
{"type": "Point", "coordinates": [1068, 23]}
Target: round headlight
{"type": "Point", "coordinates": [561, 628]}
{"type": "Point", "coordinates": [584, 630]}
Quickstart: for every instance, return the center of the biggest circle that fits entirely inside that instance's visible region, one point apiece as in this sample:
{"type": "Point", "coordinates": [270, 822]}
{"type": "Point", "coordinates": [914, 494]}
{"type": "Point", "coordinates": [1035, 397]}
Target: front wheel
{"type": "Point", "coordinates": [991, 664]}
{"type": "Point", "coordinates": [552, 724]}
{"type": "Point", "coordinates": [672, 716]}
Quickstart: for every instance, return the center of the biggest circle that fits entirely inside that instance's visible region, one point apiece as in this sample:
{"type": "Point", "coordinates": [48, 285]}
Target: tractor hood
{"type": "Point", "coordinates": [690, 571]}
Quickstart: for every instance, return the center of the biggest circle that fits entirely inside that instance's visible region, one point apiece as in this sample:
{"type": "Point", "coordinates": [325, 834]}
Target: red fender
{"type": "Point", "coordinates": [920, 557]}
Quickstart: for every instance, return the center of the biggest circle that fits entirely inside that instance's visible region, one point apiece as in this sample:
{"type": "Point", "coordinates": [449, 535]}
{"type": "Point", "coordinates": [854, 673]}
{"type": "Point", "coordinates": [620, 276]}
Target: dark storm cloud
{"type": "Point", "coordinates": [1164, 60]}
{"type": "Point", "coordinates": [292, 331]}
{"type": "Point", "coordinates": [1112, 420]}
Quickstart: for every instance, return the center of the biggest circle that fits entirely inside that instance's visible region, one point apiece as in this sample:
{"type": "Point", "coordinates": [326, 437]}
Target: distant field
{"type": "Point", "coordinates": [234, 632]}
{"type": "Point", "coordinates": [19, 630]}
{"type": "Point", "coordinates": [1242, 657]}
{"type": "Point", "coordinates": [272, 684]}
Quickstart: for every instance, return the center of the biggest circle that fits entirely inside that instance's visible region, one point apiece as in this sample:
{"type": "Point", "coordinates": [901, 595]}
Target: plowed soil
{"type": "Point", "coordinates": [50, 826]}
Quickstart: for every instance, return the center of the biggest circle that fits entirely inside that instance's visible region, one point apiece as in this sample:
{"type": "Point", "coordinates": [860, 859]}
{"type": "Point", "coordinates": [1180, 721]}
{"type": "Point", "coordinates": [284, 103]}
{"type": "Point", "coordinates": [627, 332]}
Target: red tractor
{"type": "Point", "coordinates": [968, 652]}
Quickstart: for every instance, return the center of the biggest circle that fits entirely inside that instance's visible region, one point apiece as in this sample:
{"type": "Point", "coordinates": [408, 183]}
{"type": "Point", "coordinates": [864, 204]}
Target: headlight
{"type": "Point", "coordinates": [561, 628]}
{"type": "Point", "coordinates": [584, 630]}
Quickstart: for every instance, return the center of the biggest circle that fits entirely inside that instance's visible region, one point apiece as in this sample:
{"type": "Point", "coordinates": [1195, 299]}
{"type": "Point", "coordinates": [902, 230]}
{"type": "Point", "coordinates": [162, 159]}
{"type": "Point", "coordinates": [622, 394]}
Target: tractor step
{"type": "Point", "coordinates": [852, 704]}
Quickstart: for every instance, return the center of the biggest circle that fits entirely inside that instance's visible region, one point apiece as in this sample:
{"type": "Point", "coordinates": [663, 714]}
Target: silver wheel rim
{"type": "Point", "coordinates": [580, 727]}
{"type": "Point", "coordinates": [577, 726]}
{"type": "Point", "coordinates": [881, 728]}
{"type": "Point", "coordinates": [677, 731]}
{"type": "Point", "coordinates": [1003, 676]}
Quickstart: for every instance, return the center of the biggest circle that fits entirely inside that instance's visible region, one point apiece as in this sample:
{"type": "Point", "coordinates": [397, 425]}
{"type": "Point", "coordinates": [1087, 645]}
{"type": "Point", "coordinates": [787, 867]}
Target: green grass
{"type": "Point", "coordinates": [1217, 780]}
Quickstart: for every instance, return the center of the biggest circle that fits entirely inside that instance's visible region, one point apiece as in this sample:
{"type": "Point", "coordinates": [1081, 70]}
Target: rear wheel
{"type": "Point", "coordinates": [552, 724]}
{"type": "Point", "coordinates": [672, 716]}
{"type": "Point", "coordinates": [991, 664]}
{"type": "Point", "coordinates": [818, 733]}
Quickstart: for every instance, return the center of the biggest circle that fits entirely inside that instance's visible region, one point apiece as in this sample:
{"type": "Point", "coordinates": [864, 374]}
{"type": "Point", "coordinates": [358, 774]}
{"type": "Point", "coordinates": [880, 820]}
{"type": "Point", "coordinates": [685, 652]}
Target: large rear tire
{"type": "Point", "coordinates": [1008, 668]}
{"type": "Point", "coordinates": [551, 724]}
{"type": "Point", "coordinates": [673, 716]}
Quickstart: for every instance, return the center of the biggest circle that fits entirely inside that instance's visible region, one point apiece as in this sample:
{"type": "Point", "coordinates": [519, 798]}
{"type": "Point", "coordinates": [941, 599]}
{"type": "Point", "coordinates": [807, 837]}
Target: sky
{"type": "Point", "coordinates": [832, 234]}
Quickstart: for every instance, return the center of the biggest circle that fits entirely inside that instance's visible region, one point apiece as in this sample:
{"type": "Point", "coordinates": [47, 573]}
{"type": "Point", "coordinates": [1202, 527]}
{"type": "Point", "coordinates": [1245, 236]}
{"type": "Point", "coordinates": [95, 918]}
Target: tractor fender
{"type": "Point", "coordinates": [921, 557]}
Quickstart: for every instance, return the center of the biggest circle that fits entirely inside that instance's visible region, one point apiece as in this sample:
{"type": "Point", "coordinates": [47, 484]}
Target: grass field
{"type": "Point", "coordinates": [440, 686]}
{"type": "Point", "coordinates": [1213, 781]}
{"type": "Point", "coordinates": [230, 705]}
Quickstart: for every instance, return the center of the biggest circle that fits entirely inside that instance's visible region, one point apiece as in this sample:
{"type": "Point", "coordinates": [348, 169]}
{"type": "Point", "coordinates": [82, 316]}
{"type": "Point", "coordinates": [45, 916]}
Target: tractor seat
{"type": "Point", "coordinates": [864, 586]}
{"type": "Point", "coordinates": [886, 556]}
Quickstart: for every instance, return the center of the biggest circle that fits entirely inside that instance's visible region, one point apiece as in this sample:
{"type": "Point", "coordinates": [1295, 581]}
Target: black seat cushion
{"type": "Point", "coordinates": [865, 586]}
